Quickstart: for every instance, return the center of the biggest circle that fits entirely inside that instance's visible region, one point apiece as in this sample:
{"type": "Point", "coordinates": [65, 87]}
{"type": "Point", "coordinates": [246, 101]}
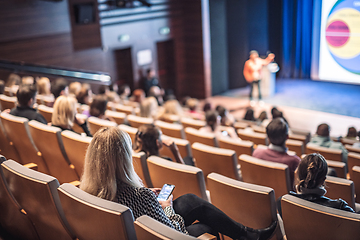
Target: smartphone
{"type": "Point", "coordinates": [165, 192]}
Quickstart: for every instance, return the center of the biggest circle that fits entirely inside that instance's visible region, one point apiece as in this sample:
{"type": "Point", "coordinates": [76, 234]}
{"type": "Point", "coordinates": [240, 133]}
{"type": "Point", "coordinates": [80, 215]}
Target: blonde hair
{"type": "Point", "coordinates": [13, 79]}
{"type": "Point", "coordinates": [192, 103]}
{"type": "Point", "coordinates": [149, 107]}
{"type": "Point", "coordinates": [74, 88]}
{"type": "Point", "coordinates": [108, 163]}
{"type": "Point", "coordinates": [173, 107]}
{"type": "Point", "coordinates": [43, 86]}
{"type": "Point", "coordinates": [27, 80]}
{"type": "Point", "coordinates": [64, 111]}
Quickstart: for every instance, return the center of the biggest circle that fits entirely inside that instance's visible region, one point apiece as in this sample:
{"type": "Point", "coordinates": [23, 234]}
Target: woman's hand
{"type": "Point", "coordinates": [167, 203]}
{"type": "Point", "coordinates": [168, 142]}
{"type": "Point", "coordinates": [79, 121]}
{"type": "Point", "coordinates": [156, 191]}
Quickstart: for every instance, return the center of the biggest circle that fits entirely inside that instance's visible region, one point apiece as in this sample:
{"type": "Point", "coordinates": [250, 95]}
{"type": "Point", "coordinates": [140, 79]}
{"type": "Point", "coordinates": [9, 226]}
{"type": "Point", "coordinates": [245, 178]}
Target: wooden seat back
{"type": "Point", "coordinates": [239, 146]}
{"type": "Point", "coordinates": [193, 135]}
{"type": "Point", "coordinates": [141, 168]}
{"type": "Point", "coordinates": [136, 121]}
{"type": "Point", "coordinates": [119, 117]}
{"type": "Point", "coordinates": [96, 123]}
{"type": "Point", "coordinates": [171, 129]}
{"type": "Point", "coordinates": [192, 123]}
{"type": "Point", "coordinates": [296, 146]}
{"type": "Point", "coordinates": [7, 102]}
{"type": "Point", "coordinates": [340, 188]}
{"type": "Point", "coordinates": [353, 160]}
{"type": "Point", "coordinates": [182, 144]}
{"type": "Point", "coordinates": [256, 138]}
{"type": "Point", "coordinates": [328, 153]}
{"type": "Point", "coordinates": [130, 130]}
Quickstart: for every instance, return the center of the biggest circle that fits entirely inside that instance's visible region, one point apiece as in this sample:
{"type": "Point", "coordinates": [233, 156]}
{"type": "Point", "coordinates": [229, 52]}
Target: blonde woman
{"type": "Point", "coordinates": [43, 85]}
{"type": "Point", "coordinates": [109, 174]}
{"type": "Point", "coordinates": [171, 108]}
{"type": "Point", "coordinates": [149, 108]}
{"type": "Point", "coordinates": [74, 88]}
{"type": "Point", "coordinates": [64, 115]}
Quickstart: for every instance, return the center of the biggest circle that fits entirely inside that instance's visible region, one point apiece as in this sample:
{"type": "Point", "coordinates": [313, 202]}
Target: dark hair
{"type": "Point", "coordinates": [352, 133]}
{"type": "Point", "coordinates": [25, 93]}
{"type": "Point", "coordinates": [277, 131]}
{"type": "Point", "coordinates": [2, 86]}
{"type": "Point", "coordinates": [211, 119]}
{"type": "Point", "coordinates": [148, 71]}
{"type": "Point", "coordinates": [145, 139]}
{"type": "Point", "coordinates": [276, 113]}
{"type": "Point", "coordinates": [98, 106]}
{"type": "Point", "coordinates": [84, 92]}
{"type": "Point", "coordinates": [311, 171]}
{"type": "Point", "coordinates": [122, 88]}
{"type": "Point", "coordinates": [57, 86]}
{"type": "Point", "coordinates": [262, 116]}
{"type": "Point", "coordinates": [249, 115]}
{"type": "Point", "coordinates": [207, 107]}
{"type": "Point", "coordinates": [102, 89]}
{"type": "Point", "coordinates": [323, 130]}
{"type": "Point", "coordinates": [222, 113]}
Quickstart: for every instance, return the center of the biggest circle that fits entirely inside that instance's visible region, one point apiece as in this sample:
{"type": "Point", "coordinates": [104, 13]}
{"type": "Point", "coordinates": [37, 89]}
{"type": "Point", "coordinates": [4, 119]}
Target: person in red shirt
{"type": "Point", "coordinates": [277, 132]}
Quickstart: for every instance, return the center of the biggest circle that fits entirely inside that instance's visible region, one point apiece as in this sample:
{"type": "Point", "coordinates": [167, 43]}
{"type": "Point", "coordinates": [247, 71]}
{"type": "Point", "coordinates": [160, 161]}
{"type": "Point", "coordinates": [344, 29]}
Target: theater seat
{"type": "Point", "coordinates": [353, 160]}
{"type": "Point", "coordinates": [296, 146]}
{"type": "Point", "coordinates": [75, 147]}
{"type": "Point", "coordinates": [256, 138]}
{"type": "Point", "coordinates": [136, 121]}
{"type": "Point", "coordinates": [171, 129]}
{"type": "Point", "coordinates": [48, 141]}
{"type": "Point", "coordinates": [6, 146]}
{"type": "Point", "coordinates": [192, 123]}
{"type": "Point", "coordinates": [130, 130]}
{"type": "Point", "coordinates": [239, 146]}
{"type": "Point", "coordinates": [141, 168]}
{"type": "Point", "coordinates": [37, 195]}
{"type": "Point", "coordinates": [96, 123]}
{"type": "Point", "coordinates": [93, 218]}
{"type": "Point", "coordinates": [182, 144]}
{"type": "Point", "coordinates": [187, 179]}
{"type": "Point", "coordinates": [7, 102]}
{"type": "Point", "coordinates": [328, 153]}
{"type": "Point", "coordinates": [307, 220]}
{"type": "Point", "coordinates": [124, 109]}
{"type": "Point", "coordinates": [266, 173]}
{"type": "Point", "coordinates": [46, 112]}
{"type": "Point", "coordinates": [193, 135]}
{"type": "Point", "coordinates": [218, 160]}
{"type": "Point", "coordinates": [340, 188]}
{"type": "Point", "coordinates": [356, 179]}
{"type": "Point", "coordinates": [12, 217]}
{"type": "Point", "coordinates": [117, 116]}
{"type": "Point", "coordinates": [350, 148]}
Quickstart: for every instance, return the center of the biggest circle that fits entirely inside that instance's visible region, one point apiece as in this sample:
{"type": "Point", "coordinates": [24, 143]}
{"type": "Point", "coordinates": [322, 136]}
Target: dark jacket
{"type": "Point", "coordinates": [83, 126]}
{"type": "Point", "coordinates": [29, 113]}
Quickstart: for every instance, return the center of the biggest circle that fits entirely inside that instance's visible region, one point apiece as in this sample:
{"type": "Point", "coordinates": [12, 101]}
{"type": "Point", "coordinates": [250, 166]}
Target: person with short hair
{"type": "Point", "coordinates": [124, 92]}
{"type": "Point", "coordinates": [149, 108]}
{"type": "Point", "coordinates": [226, 118]}
{"type": "Point", "coordinates": [278, 132]}
{"type": "Point", "coordinates": [98, 108]}
{"type": "Point", "coordinates": [322, 139]}
{"type": "Point", "coordinates": [310, 180]}
{"type": "Point", "coordinates": [171, 108]}
{"type": "Point", "coordinates": [59, 87]}
{"type": "Point", "coordinates": [74, 88]}
{"type": "Point", "coordinates": [26, 98]}
{"type": "Point", "coordinates": [213, 125]}
{"type": "Point", "coordinates": [43, 85]}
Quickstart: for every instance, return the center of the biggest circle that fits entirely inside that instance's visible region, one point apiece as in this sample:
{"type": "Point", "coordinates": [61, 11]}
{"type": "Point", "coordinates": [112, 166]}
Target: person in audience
{"type": "Point", "coordinates": [207, 107]}
{"type": "Point", "coordinates": [26, 98]}
{"type": "Point", "coordinates": [278, 132]}
{"type": "Point", "coordinates": [192, 104]}
{"type": "Point", "coordinates": [98, 108]}
{"type": "Point", "coordinates": [276, 113]}
{"type": "Point", "coordinates": [74, 88]}
{"type": "Point", "coordinates": [109, 174]}
{"type": "Point", "coordinates": [13, 82]}
{"type": "Point", "coordinates": [124, 92]}
{"type": "Point", "coordinates": [64, 115]}
{"type": "Point", "coordinates": [352, 133]}
{"type": "Point", "coordinates": [2, 86]}
{"type": "Point", "coordinates": [226, 118]}
{"type": "Point", "coordinates": [155, 91]}
{"type": "Point", "coordinates": [138, 96]}
{"type": "Point", "coordinates": [148, 140]}
{"type": "Point", "coordinates": [43, 85]}
{"type": "Point", "coordinates": [184, 100]}
{"type": "Point", "coordinates": [263, 119]}
{"type": "Point", "coordinates": [249, 115]}
{"type": "Point", "coordinates": [310, 179]}
{"type": "Point", "coordinates": [29, 80]}
{"type": "Point", "coordinates": [171, 108]}
{"type": "Point", "coordinates": [149, 108]}
{"type": "Point", "coordinates": [112, 94]}
{"type": "Point", "coordinates": [213, 126]}
{"type": "Point", "coordinates": [322, 139]}
{"type": "Point", "coordinates": [103, 90]}
{"type": "Point", "coordinates": [84, 96]}
{"type": "Point", "coordinates": [59, 87]}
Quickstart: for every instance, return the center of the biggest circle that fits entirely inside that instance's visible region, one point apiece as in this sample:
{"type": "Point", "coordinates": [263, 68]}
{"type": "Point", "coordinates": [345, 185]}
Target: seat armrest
{"type": "Point", "coordinates": [206, 236]}
{"type": "Point", "coordinates": [76, 183]}
{"type": "Point", "coordinates": [32, 166]}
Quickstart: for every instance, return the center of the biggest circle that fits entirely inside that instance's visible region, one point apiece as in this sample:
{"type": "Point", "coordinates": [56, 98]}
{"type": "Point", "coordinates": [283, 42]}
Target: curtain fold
{"type": "Point", "coordinates": [297, 36]}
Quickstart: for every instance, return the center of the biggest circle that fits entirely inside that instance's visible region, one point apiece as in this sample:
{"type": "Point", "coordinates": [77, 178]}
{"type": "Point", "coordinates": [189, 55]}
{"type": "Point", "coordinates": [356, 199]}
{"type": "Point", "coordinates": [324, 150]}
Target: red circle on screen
{"type": "Point", "coordinates": [337, 33]}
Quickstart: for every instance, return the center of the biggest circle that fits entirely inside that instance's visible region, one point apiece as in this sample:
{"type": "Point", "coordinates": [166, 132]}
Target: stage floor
{"type": "Point", "coordinates": [305, 104]}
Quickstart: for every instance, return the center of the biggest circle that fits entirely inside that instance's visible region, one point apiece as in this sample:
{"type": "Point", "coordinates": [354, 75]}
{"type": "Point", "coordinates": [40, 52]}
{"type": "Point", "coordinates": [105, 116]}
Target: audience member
{"type": "Point", "coordinates": [277, 132]}
{"type": "Point", "coordinates": [310, 179]}
{"type": "Point", "coordinates": [74, 88]}
{"type": "Point", "coordinates": [213, 126]}
{"type": "Point", "coordinates": [226, 118]}
{"type": "Point", "coordinates": [64, 115]}
{"type": "Point", "coordinates": [13, 82]}
{"type": "Point", "coordinates": [352, 133]}
{"type": "Point", "coordinates": [84, 96]}
{"type": "Point", "coordinates": [103, 90]}
{"type": "Point", "coordinates": [249, 115]}
{"type": "Point", "coordinates": [148, 140]}
{"type": "Point", "coordinates": [112, 94]}
{"type": "Point", "coordinates": [98, 108]}
{"type": "Point", "coordinates": [171, 108]}
{"type": "Point", "coordinates": [155, 91]}
{"type": "Point", "coordinates": [2, 86]}
{"type": "Point", "coordinates": [109, 174]}
{"type": "Point", "coordinates": [192, 104]}
{"type": "Point", "coordinates": [263, 119]}
{"type": "Point", "coordinates": [276, 114]}
{"type": "Point", "coordinates": [149, 108]}
{"type": "Point", "coordinates": [43, 85]}
{"type": "Point", "coordinates": [207, 107]}
{"type": "Point", "coordinates": [26, 98]}
{"type": "Point", "coordinates": [322, 139]}
{"type": "Point", "coordinates": [59, 87]}
{"type": "Point", "coordinates": [27, 80]}
{"type": "Point", "coordinates": [124, 92]}
{"type": "Point", "coordinates": [138, 95]}
{"type": "Point", "coordinates": [184, 100]}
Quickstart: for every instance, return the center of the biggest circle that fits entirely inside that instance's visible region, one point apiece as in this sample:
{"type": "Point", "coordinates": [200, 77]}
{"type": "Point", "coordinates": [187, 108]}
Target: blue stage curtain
{"type": "Point", "coordinates": [296, 39]}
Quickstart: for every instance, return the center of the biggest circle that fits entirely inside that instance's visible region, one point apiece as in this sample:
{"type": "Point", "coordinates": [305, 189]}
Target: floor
{"type": "Point", "coordinates": [305, 104]}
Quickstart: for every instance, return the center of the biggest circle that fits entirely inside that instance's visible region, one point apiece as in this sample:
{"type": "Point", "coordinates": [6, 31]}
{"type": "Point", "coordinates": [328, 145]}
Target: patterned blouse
{"type": "Point", "coordinates": [142, 201]}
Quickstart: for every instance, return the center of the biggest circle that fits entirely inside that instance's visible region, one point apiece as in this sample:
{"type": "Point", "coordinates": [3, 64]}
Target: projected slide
{"type": "Point", "coordinates": [339, 56]}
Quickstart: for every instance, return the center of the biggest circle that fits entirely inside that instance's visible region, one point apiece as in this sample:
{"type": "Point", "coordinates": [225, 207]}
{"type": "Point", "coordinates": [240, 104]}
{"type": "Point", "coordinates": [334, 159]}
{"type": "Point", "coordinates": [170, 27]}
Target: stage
{"type": "Point", "coordinates": [305, 104]}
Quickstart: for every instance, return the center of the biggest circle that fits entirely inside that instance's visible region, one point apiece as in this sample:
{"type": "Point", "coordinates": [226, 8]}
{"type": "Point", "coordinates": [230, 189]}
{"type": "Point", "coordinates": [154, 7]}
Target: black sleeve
{"type": "Point", "coordinates": [345, 206]}
{"type": "Point", "coordinates": [86, 129]}
{"type": "Point", "coordinates": [40, 118]}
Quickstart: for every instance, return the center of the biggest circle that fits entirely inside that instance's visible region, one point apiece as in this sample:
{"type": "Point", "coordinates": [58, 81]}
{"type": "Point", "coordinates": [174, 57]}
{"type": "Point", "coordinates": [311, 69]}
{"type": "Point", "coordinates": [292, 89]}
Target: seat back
{"type": "Point", "coordinates": [76, 127]}
{"type": "Point", "coordinates": [119, 117]}
{"type": "Point", "coordinates": [340, 188]}
{"type": "Point", "coordinates": [124, 109]}
{"type": "Point", "coordinates": [96, 123]}
{"type": "Point", "coordinates": [339, 167]}
{"type": "Point", "coordinates": [356, 179]}
{"type": "Point", "coordinates": [256, 138]}
{"type": "Point", "coordinates": [297, 137]}
{"type": "Point", "coordinates": [46, 112]}
{"type": "Point", "coordinates": [9, 92]}
{"type": "Point", "coordinates": [192, 123]}
{"type": "Point", "coordinates": [136, 121]}
{"type": "Point", "coordinates": [187, 179]}
{"type": "Point", "coordinates": [7, 102]}
{"type": "Point", "coordinates": [249, 204]}
{"type": "Point", "coordinates": [193, 135]}
{"type": "Point", "coordinates": [48, 141]}
{"type": "Point", "coordinates": [300, 132]}
{"type": "Point", "coordinates": [182, 144]}
{"type": "Point", "coordinates": [37, 195]}
{"type": "Point", "coordinates": [17, 131]}
{"type": "Point", "coordinates": [353, 160]}
{"type": "Point", "coordinates": [150, 229]}
{"type": "Point", "coordinates": [171, 129]}
{"type": "Point", "coordinates": [350, 148]}
{"type": "Point", "coordinates": [266, 173]}
{"type": "Point", "coordinates": [218, 160]}
{"type": "Point", "coordinates": [94, 218]}
{"type": "Point", "coordinates": [239, 146]}
{"type": "Point", "coordinates": [13, 218]}
{"type": "Point", "coordinates": [296, 146]}
{"type": "Point", "coordinates": [6, 146]}
{"type": "Point", "coordinates": [75, 147]}
{"type": "Point", "coordinates": [348, 141]}
{"type": "Point", "coordinates": [130, 130]}
{"type": "Point", "coordinates": [141, 168]}
{"type": "Point", "coordinates": [328, 153]}
{"type": "Point", "coordinates": [317, 221]}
